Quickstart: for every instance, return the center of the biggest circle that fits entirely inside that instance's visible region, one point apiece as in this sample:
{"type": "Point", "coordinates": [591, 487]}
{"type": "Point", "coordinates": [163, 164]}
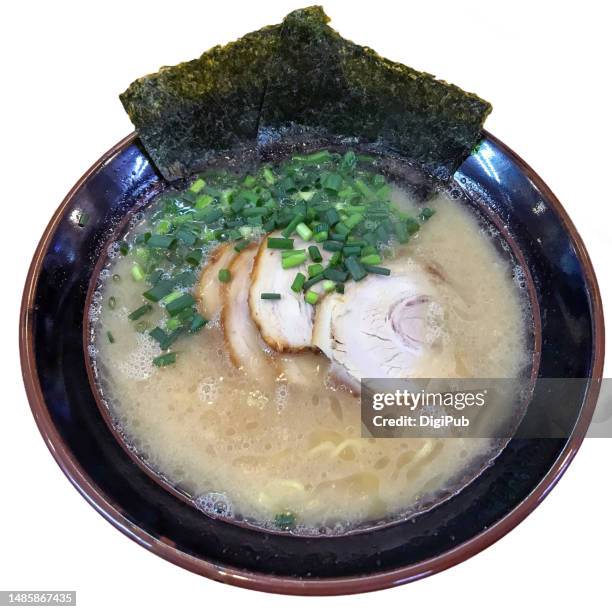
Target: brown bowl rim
{"type": "Point", "coordinates": [284, 585]}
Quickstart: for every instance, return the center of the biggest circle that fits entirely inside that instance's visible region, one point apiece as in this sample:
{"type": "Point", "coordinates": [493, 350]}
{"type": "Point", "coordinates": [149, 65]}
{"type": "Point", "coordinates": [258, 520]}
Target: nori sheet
{"type": "Point", "coordinates": [186, 113]}
{"type": "Point", "coordinates": [300, 74]}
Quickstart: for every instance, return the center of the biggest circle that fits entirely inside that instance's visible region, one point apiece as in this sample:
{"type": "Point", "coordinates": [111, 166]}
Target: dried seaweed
{"type": "Point", "coordinates": [300, 73]}
{"type": "Point", "coordinates": [185, 113]}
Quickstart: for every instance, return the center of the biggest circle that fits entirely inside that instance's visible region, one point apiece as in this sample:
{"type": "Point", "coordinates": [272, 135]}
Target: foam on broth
{"type": "Point", "coordinates": [252, 451]}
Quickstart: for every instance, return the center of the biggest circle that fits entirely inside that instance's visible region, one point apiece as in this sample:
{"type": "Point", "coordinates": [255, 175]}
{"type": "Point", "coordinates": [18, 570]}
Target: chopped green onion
{"type": "Point", "coordinates": [293, 260]}
{"type": "Point", "coordinates": [312, 297]}
{"type": "Point", "coordinates": [372, 260]}
{"type": "Point", "coordinates": [314, 158]}
{"type": "Point", "coordinates": [332, 217]}
{"type": "Point", "coordinates": [186, 237]}
{"type": "Point", "coordinates": [342, 229]}
{"type": "Point", "coordinates": [180, 303]}
{"type": "Point", "coordinates": [255, 211]}
{"type": "Point", "coordinates": [356, 270]}
{"type": "Point", "coordinates": [339, 287]}
{"type": "Point", "coordinates": [161, 241]}
{"type": "Point", "coordinates": [365, 190]}
{"type": "Point", "coordinates": [292, 252]}
{"type": "Point", "coordinates": [332, 182]}
{"type": "Point", "coordinates": [351, 250]}
{"type": "Point", "coordinates": [241, 245]}
{"type": "Point", "coordinates": [164, 360]}
{"type": "Point", "coordinates": [112, 302]}
{"type": "Point", "coordinates": [203, 201]}
{"type": "Point", "coordinates": [268, 176]}
{"type": "Point", "coordinates": [197, 323]}
{"type": "Point", "coordinates": [194, 258]}
{"type": "Point", "coordinates": [427, 213]}
{"type": "Point", "coordinates": [173, 323]}
{"type": "Point", "coordinates": [315, 269]}
{"type": "Point", "coordinates": [170, 296]}
{"type": "Point", "coordinates": [293, 225]}
{"type": "Point", "coordinates": [110, 337]}
{"type": "Point", "coordinates": [315, 254]}
{"type": "Point", "coordinates": [312, 281]}
{"type": "Point", "coordinates": [280, 243]}
{"type": "Point", "coordinates": [137, 272]}
{"type": "Point", "coordinates": [83, 219]}
{"type": "Point", "coordinates": [336, 258]}
{"type": "Point", "coordinates": [334, 274]}
{"type": "Point", "coordinates": [270, 296]}
{"type": "Point", "coordinates": [304, 231]}
{"type": "Point", "coordinates": [333, 245]}
{"type": "Point", "coordinates": [224, 276]}
{"type": "Point", "coordinates": [163, 226]}
{"type": "Point", "coordinates": [320, 236]}
{"type": "Point", "coordinates": [377, 270]}
{"type": "Point", "coordinates": [139, 312]}
{"type": "Point", "coordinates": [159, 290]}
{"type": "Point", "coordinates": [353, 220]}
{"type": "Point", "coordinates": [328, 286]}
{"type": "Point", "coordinates": [298, 282]}
{"type": "Point", "coordinates": [197, 185]}
{"type": "Point", "coordinates": [163, 339]}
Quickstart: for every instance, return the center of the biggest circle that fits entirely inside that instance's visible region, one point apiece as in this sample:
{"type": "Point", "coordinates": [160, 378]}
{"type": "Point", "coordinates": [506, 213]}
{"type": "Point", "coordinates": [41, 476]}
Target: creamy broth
{"type": "Point", "coordinates": [253, 449]}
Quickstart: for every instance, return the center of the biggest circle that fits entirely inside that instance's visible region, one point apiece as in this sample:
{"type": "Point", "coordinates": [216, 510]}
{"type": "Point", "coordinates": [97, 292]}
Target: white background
{"type": "Point", "coordinates": [546, 69]}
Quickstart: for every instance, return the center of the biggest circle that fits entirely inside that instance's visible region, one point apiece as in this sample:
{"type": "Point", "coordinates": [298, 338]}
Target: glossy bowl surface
{"type": "Point", "coordinates": [54, 370]}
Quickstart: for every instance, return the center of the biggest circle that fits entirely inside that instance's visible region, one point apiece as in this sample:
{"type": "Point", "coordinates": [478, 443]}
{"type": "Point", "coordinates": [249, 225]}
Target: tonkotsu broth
{"type": "Point", "coordinates": [256, 450]}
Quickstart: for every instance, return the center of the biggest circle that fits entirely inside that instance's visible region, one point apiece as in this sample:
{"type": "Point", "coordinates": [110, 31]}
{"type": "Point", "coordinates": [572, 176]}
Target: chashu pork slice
{"type": "Point", "coordinates": [384, 326]}
{"type": "Point", "coordinates": [209, 290]}
{"type": "Point", "coordinates": [285, 324]}
{"type": "Point", "coordinates": [245, 346]}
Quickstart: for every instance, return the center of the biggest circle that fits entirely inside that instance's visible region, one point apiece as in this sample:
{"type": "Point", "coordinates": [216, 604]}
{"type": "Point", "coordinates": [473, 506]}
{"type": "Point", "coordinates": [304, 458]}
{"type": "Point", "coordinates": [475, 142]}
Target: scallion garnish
{"type": "Point", "coordinates": [333, 245]}
{"type": "Point", "coordinates": [197, 323]}
{"type": "Point", "coordinates": [197, 185]}
{"type": "Point", "coordinates": [303, 231]}
{"type": "Point", "coordinates": [139, 312]}
{"type": "Point", "coordinates": [315, 269]}
{"type": "Point", "coordinates": [137, 272]}
{"type": "Point", "coordinates": [355, 269]}
{"type": "Point", "coordinates": [293, 260]}
{"type": "Point", "coordinates": [160, 290]}
{"type": "Point", "coordinates": [315, 254]}
{"type": "Point", "coordinates": [161, 241]}
{"type": "Point", "coordinates": [372, 259]}
{"type": "Point", "coordinates": [180, 303]}
{"type": "Point", "coordinates": [224, 275]}
{"type": "Point", "coordinates": [298, 282]}
{"type": "Point", "coordinates": [377, 270]}
{"type": "Point", "coordinates": [270, 296]}
{"type": "Point", "coordinates": [312, 297]}
{"type": "Point", "coordinates": [280, 243]}
{"type": "Point", "coordinates": [164, 360]}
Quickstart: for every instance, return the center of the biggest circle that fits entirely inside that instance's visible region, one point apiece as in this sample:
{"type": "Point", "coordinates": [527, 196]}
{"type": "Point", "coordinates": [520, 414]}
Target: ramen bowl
{"type": "Point", "coordinates": [569, 342]}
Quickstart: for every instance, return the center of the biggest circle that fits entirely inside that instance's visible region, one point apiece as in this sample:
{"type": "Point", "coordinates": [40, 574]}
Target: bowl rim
{"type": "Point", "coordinates": [279, 584]}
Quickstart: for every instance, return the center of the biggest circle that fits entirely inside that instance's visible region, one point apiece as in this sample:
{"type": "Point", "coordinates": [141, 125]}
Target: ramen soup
{"type": "Point", "coordinates": [232, 324]}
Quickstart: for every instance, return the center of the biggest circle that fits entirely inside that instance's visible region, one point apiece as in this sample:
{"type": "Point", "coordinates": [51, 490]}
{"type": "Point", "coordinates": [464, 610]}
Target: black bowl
{"type": "Point", "coordinates": [570, 341]}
